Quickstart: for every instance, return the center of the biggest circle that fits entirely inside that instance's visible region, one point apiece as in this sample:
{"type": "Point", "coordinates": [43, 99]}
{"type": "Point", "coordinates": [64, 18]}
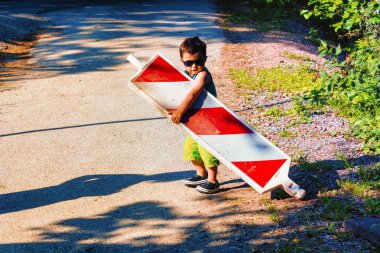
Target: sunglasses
{"type": "Point", "coordinates": [198, 62]}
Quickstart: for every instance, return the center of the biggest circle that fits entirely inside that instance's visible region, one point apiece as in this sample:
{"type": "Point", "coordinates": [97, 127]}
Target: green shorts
{"type": "Point", "coordinates": [192, 151]}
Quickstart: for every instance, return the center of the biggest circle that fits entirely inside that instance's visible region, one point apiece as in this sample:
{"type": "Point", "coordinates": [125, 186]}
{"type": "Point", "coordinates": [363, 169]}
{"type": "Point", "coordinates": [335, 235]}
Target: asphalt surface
{"type": "Point", "coordinates": [86, 165]}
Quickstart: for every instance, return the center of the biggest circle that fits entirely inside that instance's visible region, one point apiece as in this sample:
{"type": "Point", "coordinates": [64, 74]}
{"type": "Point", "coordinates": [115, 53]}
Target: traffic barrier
{"type": "Point", "coordinates": [218, 129]}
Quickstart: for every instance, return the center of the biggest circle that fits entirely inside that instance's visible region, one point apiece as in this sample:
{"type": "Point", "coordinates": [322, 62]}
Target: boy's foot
{"type": "Point", "coordinates": [208, 187]}
{"type": "Point", "coordinates": [195, 180]}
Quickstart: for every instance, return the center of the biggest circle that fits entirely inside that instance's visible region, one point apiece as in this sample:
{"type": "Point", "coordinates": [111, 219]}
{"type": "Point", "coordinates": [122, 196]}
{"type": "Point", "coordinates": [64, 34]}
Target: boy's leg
{"type": "Point", "coordinates": [212, 174]}
{"type": "Point", "coordinates": [200, 177]}
{"type": "Point", "coordinates": [209, 161]}
{"type": "Point", "coordinates": [212, 184]}
{"type": "Point", "coordinates": [200, 168]}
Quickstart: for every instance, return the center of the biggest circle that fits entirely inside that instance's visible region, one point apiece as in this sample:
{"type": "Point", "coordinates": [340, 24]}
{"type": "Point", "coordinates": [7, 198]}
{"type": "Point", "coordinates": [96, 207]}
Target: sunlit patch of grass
{"type": "Point", "coordinates": [294, 56]}
{"type": "Point", "coordinates": [299, 121]}
{"type": "Point", "coordinates": [290, 79]}
{"type": "Point", "coordinates": [285, 134]}
{"type": "Point", "coordinates": [275, 111]}
{"type": "Point", "coordinates": [302, 108]}
{"type": "Point", "coordinates": [356, 189]}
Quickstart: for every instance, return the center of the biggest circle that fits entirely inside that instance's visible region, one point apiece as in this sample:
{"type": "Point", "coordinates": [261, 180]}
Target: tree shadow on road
{"type": "Point", "coordinates": [155, 227]}
{"type": "Point", "coordinates": [79, 126]}
{"type": "Point", "coordinates": [97, 37]}
{"type": "Point", "coordinates": [241, 222]}
{"type": "Point", "coordinates": [85, 186]}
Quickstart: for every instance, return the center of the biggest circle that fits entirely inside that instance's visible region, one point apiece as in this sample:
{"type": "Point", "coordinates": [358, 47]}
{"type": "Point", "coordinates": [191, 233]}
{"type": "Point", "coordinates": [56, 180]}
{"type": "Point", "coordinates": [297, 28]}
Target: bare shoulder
{"type": "Point", "coordinates": [203, 76]}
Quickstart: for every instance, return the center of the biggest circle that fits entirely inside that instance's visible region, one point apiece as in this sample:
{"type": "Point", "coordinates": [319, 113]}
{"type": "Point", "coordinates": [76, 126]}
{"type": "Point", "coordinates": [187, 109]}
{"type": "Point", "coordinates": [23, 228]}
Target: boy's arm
{"type": "Point", "coordinates": [200, 81]}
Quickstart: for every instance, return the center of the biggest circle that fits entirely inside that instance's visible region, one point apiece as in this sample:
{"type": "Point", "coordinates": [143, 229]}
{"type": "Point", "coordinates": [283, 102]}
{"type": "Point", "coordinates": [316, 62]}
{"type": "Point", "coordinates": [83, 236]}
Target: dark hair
{"type": "Point", "coordinates": [192, 46]}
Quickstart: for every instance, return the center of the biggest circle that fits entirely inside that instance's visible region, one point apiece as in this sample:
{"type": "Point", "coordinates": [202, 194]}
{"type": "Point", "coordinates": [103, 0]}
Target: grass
{"type": "Point", "coordinates": [294, 56]}
{"type": "Point", "coordinates": [371, 174]}
{"type": "Point", "coordinates": [367, 187]}
{"type": "Point", "coordinates": [318, 166]}
{"type": "Point", "coordinates": [347, 162]}
{"type": "Point", "coordinates": [356, 189]}
{"type": "Point", "coordinates": [299, 121]}
{"type": "Point", "coordinates": [290, 79]}
{"type": "Point", "coordinates": [275, 111]}
{"type": "Point", "coordinates": [274, 214]}
{"type": "Point", "coordinates": [335, 209]}
{"type": "Point", "coordinates": [333, 205]}
{"type": "Point", "coordinates": [285, 134]}
{"type": "Point", "coordinates": [313, 232]}
{"type": "Point", "coordinates": [372, 205]}
{"type": "Point", "coordinates": [302, 108]}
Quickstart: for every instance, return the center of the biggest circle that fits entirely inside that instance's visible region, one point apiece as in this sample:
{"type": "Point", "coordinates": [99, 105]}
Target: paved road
{"type": "Point", "coordinates": [86, 165]}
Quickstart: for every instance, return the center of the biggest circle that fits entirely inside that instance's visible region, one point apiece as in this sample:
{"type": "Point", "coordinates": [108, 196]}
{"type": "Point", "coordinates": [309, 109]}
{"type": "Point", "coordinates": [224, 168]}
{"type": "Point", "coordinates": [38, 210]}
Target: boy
{"type": "Point", "coordinates": [193, 55]}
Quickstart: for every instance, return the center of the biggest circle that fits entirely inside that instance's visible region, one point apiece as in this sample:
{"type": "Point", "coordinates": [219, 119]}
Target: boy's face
{"type": "Point", "coordinates": [194, 63]}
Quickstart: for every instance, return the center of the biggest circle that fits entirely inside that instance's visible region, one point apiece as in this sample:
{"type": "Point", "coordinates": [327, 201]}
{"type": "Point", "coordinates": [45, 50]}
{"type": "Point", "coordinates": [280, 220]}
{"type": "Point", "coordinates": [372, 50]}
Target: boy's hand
{"type": "Point", "coordinates": [176, 117]}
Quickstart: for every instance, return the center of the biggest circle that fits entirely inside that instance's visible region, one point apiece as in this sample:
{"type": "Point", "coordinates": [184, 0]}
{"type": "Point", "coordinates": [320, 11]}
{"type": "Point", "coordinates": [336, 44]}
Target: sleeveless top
{"type": "Point", "coordinates": [210, 86]}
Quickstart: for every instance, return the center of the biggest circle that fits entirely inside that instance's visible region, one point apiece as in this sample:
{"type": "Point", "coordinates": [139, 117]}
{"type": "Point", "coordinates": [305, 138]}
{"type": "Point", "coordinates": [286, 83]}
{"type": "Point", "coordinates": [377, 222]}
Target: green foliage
{"type": "Point", "coordinates": [291, 79]}
{"type": "Point", "coordinates": [275, 111]}
{"type": "Point", "coordinates": [247, 13]}
{"type": "Point", "coordinates": [313, 36]}
{"type": "Point", "coordinates": [347, 162]}
{"type": "Point", "coordinates": [301, 107]}
{"type": "Point", "coordinates": [344, 17]}
{"type": "Point", "coordinates": [356, 189]}
{"type": "Point", "coordinates": [366, 187]}
{"type": "Point", "coordinates": [294, 56]}
{"type": "Point", "coordinates": [271, 210]}
{"type": "Point", "coordinates": [373, 205]}
{"type": "Point", "coordinates": [318, 166]}
{"type": "Point", "coordinates": [352, 85]}
{"type": "Point", "coordinates": [335, 209]}
{"type": "Point", "coordinates": [285, 134]}
{"type": "Point", "coordinates": [371, 175]}
{"type": "Point", "coordinates": [277, 8]}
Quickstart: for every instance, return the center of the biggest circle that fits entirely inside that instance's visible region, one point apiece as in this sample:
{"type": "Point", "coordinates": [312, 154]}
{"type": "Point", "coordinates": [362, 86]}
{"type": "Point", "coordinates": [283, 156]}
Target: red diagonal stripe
{"type": "Point", "coordinates": [160, 71]}
{"type": "Point", "coordinates": [260, 171]}
{"type": "Point", "coordinates": [213, 121]}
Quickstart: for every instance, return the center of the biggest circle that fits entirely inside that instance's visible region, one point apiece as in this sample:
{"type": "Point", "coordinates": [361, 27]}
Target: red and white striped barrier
{"type": "Point", "coordinates": [223, 133]}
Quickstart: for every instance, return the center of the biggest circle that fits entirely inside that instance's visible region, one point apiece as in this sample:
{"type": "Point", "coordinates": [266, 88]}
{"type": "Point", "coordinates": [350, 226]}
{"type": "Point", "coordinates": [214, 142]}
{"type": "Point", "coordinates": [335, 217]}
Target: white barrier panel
{"type": "Point", "coordinates": [218, 129]}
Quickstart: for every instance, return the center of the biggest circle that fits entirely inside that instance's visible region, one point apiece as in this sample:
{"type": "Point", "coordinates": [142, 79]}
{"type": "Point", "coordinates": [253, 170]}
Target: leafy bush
{"type": "Point", "coordinates": [352, 84]}
{"type": "Point", "coordinates": [345, 18]}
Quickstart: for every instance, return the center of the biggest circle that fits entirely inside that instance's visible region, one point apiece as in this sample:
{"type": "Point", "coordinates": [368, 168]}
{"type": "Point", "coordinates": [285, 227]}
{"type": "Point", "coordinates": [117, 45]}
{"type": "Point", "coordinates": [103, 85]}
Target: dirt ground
{"type": "Point", "coordinates": [286, 224]}
{"type": "Point", "coordinates": [299, 227]}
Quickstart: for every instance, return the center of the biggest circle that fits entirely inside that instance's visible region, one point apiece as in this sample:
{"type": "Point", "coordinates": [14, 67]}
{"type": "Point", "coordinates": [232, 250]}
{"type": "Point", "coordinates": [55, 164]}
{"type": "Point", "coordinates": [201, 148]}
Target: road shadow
{"type": "Point", "coordinates": [99, 36]}
{"type": "Point", "coordinates": [133, 220]}
{"type": "Point", "coordinates": [85, 186]}
{"type": "Point", "coordinates": [151, 226]}
{"type": "Point", "coordinates": [79, 126]}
